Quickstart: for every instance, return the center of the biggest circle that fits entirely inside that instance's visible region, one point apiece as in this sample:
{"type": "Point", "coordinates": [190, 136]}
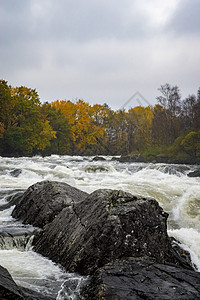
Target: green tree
{"type": "Point", "coordinates": [7, 104]}
{"type": "Point", "coordinates": [58, 122]}
{"type": "Point", "coordinates": [191, 143]}
{"type": "Point", "coordinates": [25, 129]}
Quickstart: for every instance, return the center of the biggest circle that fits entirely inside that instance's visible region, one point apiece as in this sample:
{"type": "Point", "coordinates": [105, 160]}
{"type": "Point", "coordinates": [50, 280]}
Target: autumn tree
{"type": "Point", "coordinates": [84, 132]}
{"type": "Point", "coordinates": [141, 118]}
{"type": "Point", "coordinates": [101, 118]}
{"type": "Point", "coordinates": [25, 129]}
{"type": "Point", "coordinates": [59, 124]}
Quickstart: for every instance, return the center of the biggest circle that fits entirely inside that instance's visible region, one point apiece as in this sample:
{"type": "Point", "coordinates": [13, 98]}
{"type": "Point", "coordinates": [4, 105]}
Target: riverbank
{"type": "Point", "coordinates": [159, 158]}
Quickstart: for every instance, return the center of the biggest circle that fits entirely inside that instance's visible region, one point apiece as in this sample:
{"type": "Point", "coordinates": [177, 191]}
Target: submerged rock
{"type": "Point", "coordinates": [195, 173]}
{"type": "Point", "coordinates": [107, 225]}
{"type": "Point", "coordinates": [98, 158]}
{"type": "Point", "coordinates": [16, 172]}
{"type": "Point", "coordinates": [93, 169]}
{"type": "Point", "coordinates": [142, 279]}
{"type": "Point", "coordinates": [44, 200]}
{"type": "Point", "coordinates": [132, 158]}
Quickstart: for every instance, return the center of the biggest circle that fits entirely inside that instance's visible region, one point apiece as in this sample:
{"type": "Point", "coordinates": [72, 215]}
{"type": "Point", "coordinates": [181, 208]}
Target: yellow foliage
{"type": "Point", "coordinates": [45, 136]}
{"type": "Point", "coordinates": [143, 117]}
{"type": "Point", "coordinates": [81, 117]}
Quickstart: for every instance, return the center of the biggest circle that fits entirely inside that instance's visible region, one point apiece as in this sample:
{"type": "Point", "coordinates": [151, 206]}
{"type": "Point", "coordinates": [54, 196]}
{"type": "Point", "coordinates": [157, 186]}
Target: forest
{"type": "Point", "coordinates": [29, 127]}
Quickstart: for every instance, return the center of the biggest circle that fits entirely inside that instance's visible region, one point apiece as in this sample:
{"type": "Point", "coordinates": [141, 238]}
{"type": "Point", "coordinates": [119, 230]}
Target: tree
{"type": "Point", "coordinates": [171, 102]}
{"type": "Point", "coordinates": [170, 98]}
{"type": "Point", "coordinates": [161, 127]}
{"type": "Point", "coordinates": [25, 131]}
{"type": "Point", "coordinates": [188, 112]}
{"type": "Point", "coordinates": [13, 141]}
{"type": "Point", "coordinates": [196, 120]}
{"type": "Point", "coordinates": [84, 132]}
{"type": "Point", "coordinates": [59, 124]}
{"type": "Point", "coordinates": [191, 143]}
{"type": "Point", "coordinates": [142, 129]}
{"type": "Point", "coordinates": [7, 104]}
{"type": "Point", "coordinates": [2, 129]}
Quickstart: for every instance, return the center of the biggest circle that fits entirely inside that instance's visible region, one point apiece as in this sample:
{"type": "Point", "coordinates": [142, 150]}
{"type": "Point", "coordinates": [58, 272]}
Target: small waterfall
{"type": "Point", "coordinates": [20, 242]}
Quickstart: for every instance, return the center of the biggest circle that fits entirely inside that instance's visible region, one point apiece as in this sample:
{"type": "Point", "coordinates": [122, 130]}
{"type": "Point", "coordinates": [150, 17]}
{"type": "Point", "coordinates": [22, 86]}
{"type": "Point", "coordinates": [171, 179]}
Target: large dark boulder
{"type": "Point", "coordinates": [142, 279]}
{"type": "Point", "coordinates": [10, 291]}
{"type": "Point", "coordinates": [44, 200]}
{"type": "Point", "coordinates": [107, 225]}
{"type": "Point", "coordinates": [8, 288]}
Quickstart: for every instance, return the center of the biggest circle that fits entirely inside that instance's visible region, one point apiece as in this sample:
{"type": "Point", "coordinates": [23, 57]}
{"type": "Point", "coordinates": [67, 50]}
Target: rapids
{"type": "Point", "coordinates": [178, 194]}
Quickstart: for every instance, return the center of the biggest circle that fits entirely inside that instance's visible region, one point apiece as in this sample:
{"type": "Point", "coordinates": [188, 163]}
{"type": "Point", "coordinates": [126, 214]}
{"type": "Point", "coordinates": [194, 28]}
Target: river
{"type": "Point", "coordinates": [177, 194]}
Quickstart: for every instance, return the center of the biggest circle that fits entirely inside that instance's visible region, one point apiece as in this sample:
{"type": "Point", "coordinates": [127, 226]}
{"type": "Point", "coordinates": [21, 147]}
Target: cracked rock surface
{"type": "Point", "coordinates": [42, 201]}
{"type": "Point", "coordinates": [142, 279]}
{"type": "Point", "coordinates": [107, 225]}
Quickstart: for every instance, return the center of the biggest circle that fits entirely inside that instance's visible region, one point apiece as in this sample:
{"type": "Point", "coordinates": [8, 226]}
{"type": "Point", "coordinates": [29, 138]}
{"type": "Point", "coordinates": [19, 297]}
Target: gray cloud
{"type": "Point", "coordinates": [100, 51]}
{"type": "Point", "coordinates": [74, 20]}
{"type": "Point", "coordinates": [186, 19]}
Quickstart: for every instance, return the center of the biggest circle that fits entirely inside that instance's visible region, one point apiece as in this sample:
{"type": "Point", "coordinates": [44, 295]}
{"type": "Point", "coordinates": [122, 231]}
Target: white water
{"type": "Point", "coordinates": [177, 193]}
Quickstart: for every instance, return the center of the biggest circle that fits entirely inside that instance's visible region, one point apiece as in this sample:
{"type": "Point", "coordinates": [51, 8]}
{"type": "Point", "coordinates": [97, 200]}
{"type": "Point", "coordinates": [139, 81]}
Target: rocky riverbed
{"type": "Point", "coordinates": [118, 239]}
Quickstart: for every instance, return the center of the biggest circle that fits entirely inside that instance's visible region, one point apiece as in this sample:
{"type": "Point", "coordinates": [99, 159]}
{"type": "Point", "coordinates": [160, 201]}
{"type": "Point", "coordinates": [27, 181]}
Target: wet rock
{"type": "Point", "coordinates": [115, 158]}
{"type": "Point", "coordinates": [98, 158]}
{"type": "Point", "coordinates": [16, 237]}
{"type": "Point", "coordinates": [182, 255]}
{"type": "Point", "coordinates": [33, 295]}
{"type": "Point", "coordinates": [44, 200]}
{"type": "Point", "coordinates": [174, 169]}
{"type": "Point", "coordinates": [17, 230]}
{"type": "Point", "coordinates": [94, 169]}
{"type": "Point", "coordinates": [132, 158]}
{"type": "Point", "coordinates": [16, 172]}
{"type": "Point", "coordinates": [10, 291]}
{"type": "Point", "coordinates": [142, 279]}
{"type": "Point", "coordinates": [8, 288]}
{"type": "Point", "coordinates": [12, 200]}
{"type": "Point", "coordinates": [107, 225]}
{"type": "Point", "coordinates": [195, 173]}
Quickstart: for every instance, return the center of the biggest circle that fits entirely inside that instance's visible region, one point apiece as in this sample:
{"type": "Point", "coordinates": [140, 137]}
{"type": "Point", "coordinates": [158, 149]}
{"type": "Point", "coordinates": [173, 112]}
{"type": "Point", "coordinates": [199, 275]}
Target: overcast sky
{"type": "Point", "coordinates": [100, 50]}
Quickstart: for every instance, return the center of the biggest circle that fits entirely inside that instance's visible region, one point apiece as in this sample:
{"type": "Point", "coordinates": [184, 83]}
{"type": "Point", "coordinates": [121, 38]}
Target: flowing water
{"type": "Point", "coordinates": [178, 194]}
